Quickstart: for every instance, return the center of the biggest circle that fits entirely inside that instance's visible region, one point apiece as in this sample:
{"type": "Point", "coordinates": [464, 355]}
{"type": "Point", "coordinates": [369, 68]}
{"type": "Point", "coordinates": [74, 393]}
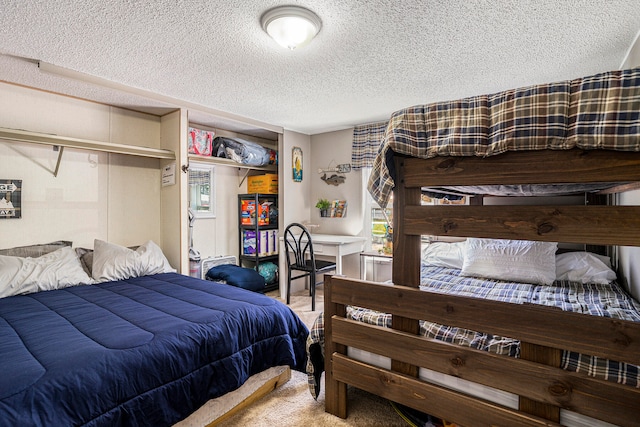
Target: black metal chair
{"type": "Point", "coordinates": [301, 260]}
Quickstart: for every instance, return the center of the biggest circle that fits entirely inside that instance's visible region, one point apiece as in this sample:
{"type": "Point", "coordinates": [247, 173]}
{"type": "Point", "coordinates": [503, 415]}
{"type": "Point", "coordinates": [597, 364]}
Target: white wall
{"type": "Point", "coordinates": [295, 197]}
{"type": "Point", "coordinates": [629, 257]}
{"type": "Point", "coordinates": [219, 236]}
{"type": "Point", "coordinates": [62, 208]}
{"type": "Point", "coordinates": [95, 195]}
{"type": "Point", "coordinates": [299, 198]}
{"type": "Point", "coordinates": [329, 150]}
{"type": "Point", "coordinates": [633, 55]}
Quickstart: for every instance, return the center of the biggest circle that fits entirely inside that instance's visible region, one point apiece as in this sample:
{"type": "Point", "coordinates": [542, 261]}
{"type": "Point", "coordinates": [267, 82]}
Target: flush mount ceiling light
{"type": "Point", "coordinates": [291, 26]}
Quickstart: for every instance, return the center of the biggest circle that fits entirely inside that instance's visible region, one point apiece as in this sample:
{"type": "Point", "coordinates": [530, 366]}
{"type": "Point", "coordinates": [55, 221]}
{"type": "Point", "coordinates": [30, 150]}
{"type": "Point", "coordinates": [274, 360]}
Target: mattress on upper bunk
{"type": "Point", "coordinates": [443, 271]}
{"type": "Point", "coordinates": [595, 112]}
{"type": "Point", "coordinates": [141, 351]}
{"type": "Point", "coordinates": [456, 192]}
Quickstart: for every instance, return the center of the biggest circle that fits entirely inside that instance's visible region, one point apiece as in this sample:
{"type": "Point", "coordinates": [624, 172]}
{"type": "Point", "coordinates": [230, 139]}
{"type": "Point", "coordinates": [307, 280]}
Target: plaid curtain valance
{"type": "Point", "coordinates": [367, 140]}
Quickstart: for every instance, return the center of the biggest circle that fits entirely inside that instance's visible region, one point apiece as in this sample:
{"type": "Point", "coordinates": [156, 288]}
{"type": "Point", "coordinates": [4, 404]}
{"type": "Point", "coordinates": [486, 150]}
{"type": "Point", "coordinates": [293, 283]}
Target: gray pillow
{"type": "Point", "coordinates": [34, 251]}
{"type": "Point", "coordinates": [86, 258]}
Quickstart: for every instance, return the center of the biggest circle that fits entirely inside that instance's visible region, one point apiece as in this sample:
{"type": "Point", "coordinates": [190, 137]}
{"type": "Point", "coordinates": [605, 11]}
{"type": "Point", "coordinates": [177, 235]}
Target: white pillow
{"type": "Point", "coordinates": [443, 254]}
{"type": "Point", "coordinates": [511, 260]}
{"type": "Point", "coordinates": [55, 270]}
{"type": "Point", "coordinates": [584, 267]}
{"type": "Point", "coordinates": [115, 262]}
{"type": "Point", "coordinates": [9, 267]}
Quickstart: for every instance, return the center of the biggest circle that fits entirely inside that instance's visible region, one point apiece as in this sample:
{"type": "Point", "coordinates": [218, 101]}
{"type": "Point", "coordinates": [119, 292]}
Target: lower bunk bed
{"type": "Point", "coordinates": [583, 131]}
{"type": "Point", "coordinates": [148, 349]}
{"type": "Point", "coordinates": [459, 368]}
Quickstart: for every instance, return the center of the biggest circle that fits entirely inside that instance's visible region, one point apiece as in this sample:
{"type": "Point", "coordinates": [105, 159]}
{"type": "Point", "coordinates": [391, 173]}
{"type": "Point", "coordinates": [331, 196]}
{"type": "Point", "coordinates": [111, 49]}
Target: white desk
{"type": "Point", "coordinates": [337, 246]}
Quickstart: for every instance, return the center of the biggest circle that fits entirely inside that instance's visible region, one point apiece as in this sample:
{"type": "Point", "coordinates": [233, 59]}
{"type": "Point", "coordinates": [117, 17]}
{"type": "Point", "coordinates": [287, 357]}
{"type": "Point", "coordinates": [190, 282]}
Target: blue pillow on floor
{"type": "Point", "coordinates": [246, 278]}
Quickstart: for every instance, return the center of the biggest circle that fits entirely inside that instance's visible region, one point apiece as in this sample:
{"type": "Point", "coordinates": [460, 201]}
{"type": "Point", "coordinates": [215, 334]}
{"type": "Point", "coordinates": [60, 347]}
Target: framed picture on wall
{"type": "Point", "coordinates": [10, 198]}
{"type": "Point", "coordinates": [297, 164]}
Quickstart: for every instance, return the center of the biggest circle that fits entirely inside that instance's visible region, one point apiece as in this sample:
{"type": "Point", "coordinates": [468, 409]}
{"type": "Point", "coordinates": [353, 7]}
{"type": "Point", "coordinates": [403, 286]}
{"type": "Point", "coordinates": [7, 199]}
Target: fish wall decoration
{"type": "Point", "coordinates": [333, 179]}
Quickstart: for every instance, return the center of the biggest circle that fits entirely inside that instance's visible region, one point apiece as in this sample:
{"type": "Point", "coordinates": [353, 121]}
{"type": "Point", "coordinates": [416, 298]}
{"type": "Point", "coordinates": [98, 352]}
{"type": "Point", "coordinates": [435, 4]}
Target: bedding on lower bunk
{"type": "Point", "coordinates": [599, 299]}
{"type": "Point", "coordinates": [148, 350]}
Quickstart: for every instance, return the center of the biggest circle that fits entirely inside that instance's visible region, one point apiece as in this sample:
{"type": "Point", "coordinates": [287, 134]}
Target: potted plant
{"type": "Point", "coordinates": [323, 205]}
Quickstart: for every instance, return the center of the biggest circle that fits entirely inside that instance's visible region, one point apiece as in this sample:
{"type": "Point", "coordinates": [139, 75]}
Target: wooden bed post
{"type": "Point", "coordinates": [406, 256]}
{"type": "Point", "coordinates": [548, 356]}
{"type": "Point", "coordinates": [335, 391]}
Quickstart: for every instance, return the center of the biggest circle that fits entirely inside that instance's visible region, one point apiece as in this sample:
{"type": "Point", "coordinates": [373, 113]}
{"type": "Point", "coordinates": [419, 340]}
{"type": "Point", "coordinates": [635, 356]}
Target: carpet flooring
{"type": "Point", "coordinates": [291, 405]}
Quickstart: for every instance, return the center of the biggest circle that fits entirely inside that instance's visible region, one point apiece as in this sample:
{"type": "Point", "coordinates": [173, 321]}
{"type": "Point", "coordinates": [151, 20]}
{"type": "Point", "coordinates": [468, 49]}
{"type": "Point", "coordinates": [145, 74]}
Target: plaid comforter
{"type": "Point", "coordinates": [596, 112]}
{"type": "Point", "coordinates": [608, 300]}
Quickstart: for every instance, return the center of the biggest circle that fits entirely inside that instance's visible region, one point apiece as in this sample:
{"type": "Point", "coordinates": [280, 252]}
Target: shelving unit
{"type": "Point", "coordinates": [258, 231]}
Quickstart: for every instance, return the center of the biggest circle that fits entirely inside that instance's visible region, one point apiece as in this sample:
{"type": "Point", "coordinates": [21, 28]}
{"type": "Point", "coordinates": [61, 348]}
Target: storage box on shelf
{"type": "Point", "coordinates": [266, 184]}
{"type": "Point", "coordinates": [258, 235]}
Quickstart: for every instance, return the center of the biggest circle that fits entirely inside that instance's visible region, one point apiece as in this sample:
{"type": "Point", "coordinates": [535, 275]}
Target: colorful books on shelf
{"type": "Point", "coordinates": [338, 209]}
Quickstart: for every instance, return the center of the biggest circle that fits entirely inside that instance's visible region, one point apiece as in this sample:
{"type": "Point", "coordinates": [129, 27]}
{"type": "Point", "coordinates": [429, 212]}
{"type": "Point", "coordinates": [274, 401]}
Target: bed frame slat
{"type": "Point", "coordinates": [429, 398]}
{"type": "Point", "coordinates": [593, 335]}
{"type": "Point", "coordinates": [598, 225]}
{"type": "Point", "coordinates": [537, 382]}
{"type": "Point", "coordinates": [528, 167]}
{"type": "Point", "coordinates": [551, 357]}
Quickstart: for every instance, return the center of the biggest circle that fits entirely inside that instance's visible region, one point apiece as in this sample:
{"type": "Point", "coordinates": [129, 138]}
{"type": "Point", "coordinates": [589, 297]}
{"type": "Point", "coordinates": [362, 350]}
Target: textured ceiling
{"type": "Point", "coordinates": [372, 57]}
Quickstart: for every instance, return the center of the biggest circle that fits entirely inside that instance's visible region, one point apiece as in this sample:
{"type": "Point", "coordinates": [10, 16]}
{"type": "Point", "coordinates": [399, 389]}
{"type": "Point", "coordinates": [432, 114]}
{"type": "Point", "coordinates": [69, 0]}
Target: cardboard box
{"type": "Point", "coordinates": [263, 214]}
{"type": "Point", "coordinates": [266, 184]}
{"type": "Point", "coordinates": [248, 212]}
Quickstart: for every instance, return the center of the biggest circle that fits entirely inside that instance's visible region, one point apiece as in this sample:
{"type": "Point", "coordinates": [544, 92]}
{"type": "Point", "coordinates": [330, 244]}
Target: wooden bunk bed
{"type": "Point", "coordinates": [544, 389]}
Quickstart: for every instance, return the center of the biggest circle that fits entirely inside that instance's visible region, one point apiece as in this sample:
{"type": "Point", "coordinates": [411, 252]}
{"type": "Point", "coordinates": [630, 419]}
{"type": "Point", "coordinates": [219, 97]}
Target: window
{"type": "Point", "coordinates": [378, 221]}
{"type": "Point", "coordinates": [381, 228]}
{"type": "Point", "coordinates": [202, 200]}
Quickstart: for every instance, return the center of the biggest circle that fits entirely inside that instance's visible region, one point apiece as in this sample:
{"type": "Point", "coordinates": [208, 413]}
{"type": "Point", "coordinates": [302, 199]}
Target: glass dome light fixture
{"type": "Point", "coordinates": [291, 26]}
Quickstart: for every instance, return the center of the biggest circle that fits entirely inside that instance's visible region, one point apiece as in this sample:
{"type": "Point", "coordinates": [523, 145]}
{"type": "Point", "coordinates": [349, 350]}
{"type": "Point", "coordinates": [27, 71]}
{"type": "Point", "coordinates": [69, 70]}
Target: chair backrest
{"type": "Point", "coordinates": [298, 245]}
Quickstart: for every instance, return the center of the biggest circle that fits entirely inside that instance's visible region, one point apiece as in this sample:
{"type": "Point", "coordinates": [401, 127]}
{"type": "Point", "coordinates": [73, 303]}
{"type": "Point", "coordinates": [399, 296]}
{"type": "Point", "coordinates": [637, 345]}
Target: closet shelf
{"type": "Point", "coordinates": [86, 144]}
{"type": "Point", "coordinates": [229, 162]}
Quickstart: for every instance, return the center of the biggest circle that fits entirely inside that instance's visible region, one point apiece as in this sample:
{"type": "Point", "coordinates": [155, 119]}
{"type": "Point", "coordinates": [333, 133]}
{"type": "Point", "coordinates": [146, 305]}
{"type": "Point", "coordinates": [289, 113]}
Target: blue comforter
{"type": "Point", "coordinates": [143, 351]}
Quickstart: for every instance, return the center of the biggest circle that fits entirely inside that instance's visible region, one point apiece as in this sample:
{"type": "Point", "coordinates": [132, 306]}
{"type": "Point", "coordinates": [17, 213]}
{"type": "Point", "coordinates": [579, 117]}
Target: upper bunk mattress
{"type": "Point", "coordinates": [595, 112]}
{"type": "Point", "coordinates": [143, 351]}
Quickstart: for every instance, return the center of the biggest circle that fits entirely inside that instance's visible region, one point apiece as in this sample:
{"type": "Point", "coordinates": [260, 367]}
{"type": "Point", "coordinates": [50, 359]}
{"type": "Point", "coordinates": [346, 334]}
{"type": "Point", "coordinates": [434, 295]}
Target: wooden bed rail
{"type": "Point", "coordinates": [590, 224]}
{"type": "Point", "coordinates": [524, 167]}
{"type": "Point", "coordinates": [545, 326]}
{"type": "Point", "coordinates": [596, 225]}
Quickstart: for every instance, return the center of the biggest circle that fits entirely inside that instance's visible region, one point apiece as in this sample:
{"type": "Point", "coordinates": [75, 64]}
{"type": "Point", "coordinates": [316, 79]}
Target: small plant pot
{"type": "Point", "coordinates": [324, 212]}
